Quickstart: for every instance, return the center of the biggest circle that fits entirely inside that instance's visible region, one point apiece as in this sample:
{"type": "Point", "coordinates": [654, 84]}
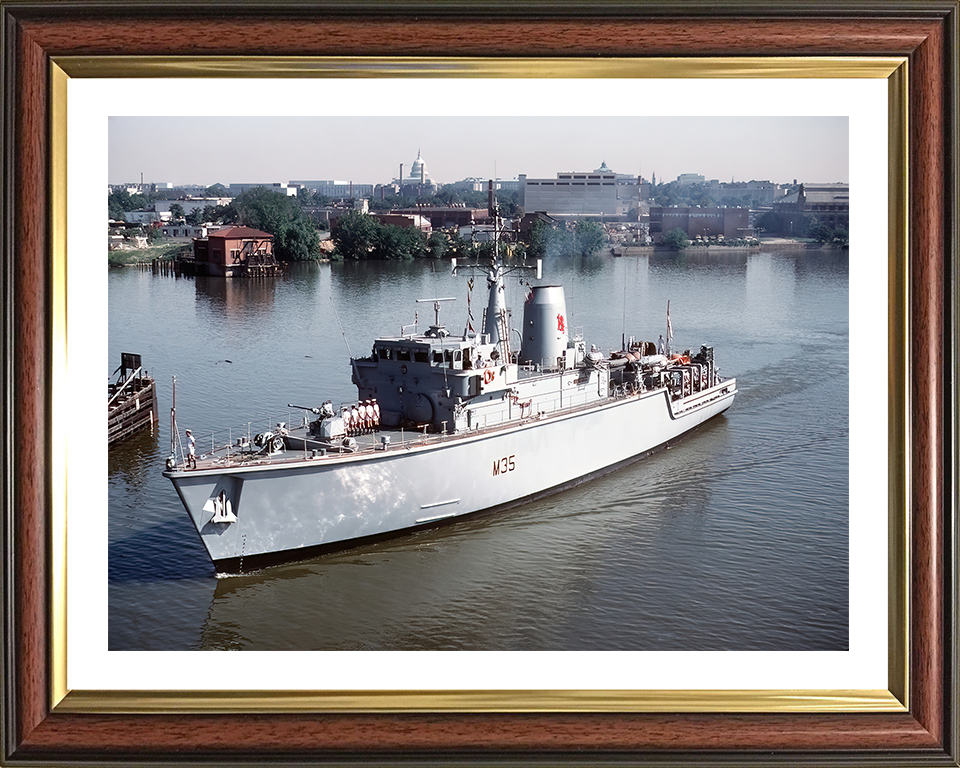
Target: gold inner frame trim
{"type": "Point", "coordinates": [424, 67]}
{"type": "Point", "coordinates": [433, 701]}
{"type": "Point", "coordinates": [894, 70]}
{"type": "Point", "coordinates": [59, 395]}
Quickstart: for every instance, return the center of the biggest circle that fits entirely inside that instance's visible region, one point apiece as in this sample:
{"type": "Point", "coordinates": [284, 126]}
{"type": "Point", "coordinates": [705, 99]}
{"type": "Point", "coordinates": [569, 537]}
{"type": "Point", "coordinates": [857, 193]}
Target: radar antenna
{"type": "Point", "coordinates": [436, 309]}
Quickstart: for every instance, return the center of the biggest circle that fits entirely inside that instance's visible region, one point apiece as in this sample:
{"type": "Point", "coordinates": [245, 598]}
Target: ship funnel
{"type": "Point", "coordinates": [544, 326]}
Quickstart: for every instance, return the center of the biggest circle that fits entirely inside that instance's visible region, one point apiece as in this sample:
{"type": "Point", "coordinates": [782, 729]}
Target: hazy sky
{"type": "Point", "coordinates": [369, 150]}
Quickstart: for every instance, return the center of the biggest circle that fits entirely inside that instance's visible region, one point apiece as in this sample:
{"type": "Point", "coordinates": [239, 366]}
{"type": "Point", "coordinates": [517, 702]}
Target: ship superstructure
{"type": "Point", "coordinates": [445, 425]}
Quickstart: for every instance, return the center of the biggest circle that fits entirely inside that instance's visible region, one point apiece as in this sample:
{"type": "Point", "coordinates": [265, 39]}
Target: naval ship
{"type": "Point", "coordinates": [445, 425]}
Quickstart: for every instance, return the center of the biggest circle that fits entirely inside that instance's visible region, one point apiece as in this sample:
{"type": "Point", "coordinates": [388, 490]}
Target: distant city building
{"type": "Point", "coordinates": [336, 189]}
{"type": "Point", "coordinates": [418, 182]}
{"type": "Point", "coordinates": [383, 191]}
{"type": "Point", "coordinates": [404, 220]}
{"type": "Point", "coordinates": [131, 189]}
{"type": "Point", "coordinates": [145, 216]}
{"type": "Point", "coordinates": [190, 204]}
{"type": "Point", "coordinates": [753, 193]}
{"type": "Point", "coordinates": [183, 231]}
{"type": "Point", "coordinates": [530, 220]}
{"type": "Point", "coordinates": [731, 223]}
{"type": "Point", "coordinates": [141, 188]}
{"type": "Point", "coordinates": [828, 203]}
{"type": "Point", "coordinates": [575, 194]}
{"type": "Point", "coordinates": [444, 216]}
{"type": "Point", "coordinates": [194, 190]}
{"type": "Point", "coordinates": [234, 190]}
{"type": "Point", "coordinates": [685, 179]}
{"type": "Point", "coordinates": [474, 184]}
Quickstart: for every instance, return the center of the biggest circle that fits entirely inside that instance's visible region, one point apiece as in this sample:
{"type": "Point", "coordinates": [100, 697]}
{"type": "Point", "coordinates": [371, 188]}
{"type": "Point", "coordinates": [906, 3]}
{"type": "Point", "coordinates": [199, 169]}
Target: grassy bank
{"type": "Point", "coordinates": [126, 257]}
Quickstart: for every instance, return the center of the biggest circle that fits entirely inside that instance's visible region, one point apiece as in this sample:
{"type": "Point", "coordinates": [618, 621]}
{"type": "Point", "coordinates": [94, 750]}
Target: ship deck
{"type": "Point", "coordinates": [299, 446]}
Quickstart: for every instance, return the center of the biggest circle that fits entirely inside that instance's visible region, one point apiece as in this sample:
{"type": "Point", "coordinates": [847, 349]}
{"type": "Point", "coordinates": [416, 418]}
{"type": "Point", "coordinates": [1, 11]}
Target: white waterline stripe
{"type": "Point", "coordinates": [438, 517]}
{"type": "Point", "coordinates": [439, 504]}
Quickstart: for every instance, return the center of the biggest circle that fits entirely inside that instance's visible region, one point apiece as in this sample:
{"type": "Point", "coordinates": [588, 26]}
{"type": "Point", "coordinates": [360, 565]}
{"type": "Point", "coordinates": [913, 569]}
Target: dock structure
{"type": "Point", "coordinates": [233, 252]}
{"type": "Point", "coordinates": [132, 400]}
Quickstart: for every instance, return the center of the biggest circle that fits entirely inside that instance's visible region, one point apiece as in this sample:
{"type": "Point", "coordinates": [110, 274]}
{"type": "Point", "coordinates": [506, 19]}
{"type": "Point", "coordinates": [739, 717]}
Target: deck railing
{"type": "Point", "coordinates": [400, 439]}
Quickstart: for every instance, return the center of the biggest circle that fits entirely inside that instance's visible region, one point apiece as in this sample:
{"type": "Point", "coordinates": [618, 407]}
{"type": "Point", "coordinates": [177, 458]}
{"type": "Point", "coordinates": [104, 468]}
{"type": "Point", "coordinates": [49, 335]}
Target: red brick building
{"type": "Point", "coordinates": [444, 216]}
{"type": "Point", "coordinates": [236, 251]}
{"type": "Point", "coordinates": [732, 223]}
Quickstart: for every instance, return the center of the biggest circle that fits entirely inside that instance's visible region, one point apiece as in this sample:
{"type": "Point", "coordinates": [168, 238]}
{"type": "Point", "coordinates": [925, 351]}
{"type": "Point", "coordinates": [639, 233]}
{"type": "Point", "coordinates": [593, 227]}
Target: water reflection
{"type": "Point", "coordinates": [237, 298]}
{"type": "Point", "coordinates": [130, 461]}
{"type": "Point", "coordinates": [684, 260]}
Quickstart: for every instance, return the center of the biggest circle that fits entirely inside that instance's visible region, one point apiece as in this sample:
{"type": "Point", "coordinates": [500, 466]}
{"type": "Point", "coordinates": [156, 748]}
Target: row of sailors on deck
{"type": "Point", "coordinates": [362, 417]}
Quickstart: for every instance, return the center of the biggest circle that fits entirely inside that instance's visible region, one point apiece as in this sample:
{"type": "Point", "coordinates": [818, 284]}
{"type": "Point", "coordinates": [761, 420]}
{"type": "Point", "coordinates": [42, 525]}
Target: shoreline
{"type": "Point", "coordinates": [640, 250]}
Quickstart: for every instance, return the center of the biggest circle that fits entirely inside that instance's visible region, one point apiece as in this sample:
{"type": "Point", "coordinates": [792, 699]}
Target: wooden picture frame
{"type": "Point", "coordinates": [44, 40]}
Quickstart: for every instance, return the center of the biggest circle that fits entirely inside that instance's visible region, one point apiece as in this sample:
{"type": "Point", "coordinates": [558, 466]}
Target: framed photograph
{"type": "Point", "coordinates": [61, 705]}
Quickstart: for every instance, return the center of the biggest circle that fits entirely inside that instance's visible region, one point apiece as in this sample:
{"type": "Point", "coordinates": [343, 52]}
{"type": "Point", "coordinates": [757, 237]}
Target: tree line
{"type": "Point", "coordinates": [295, 236]}
{"type": "Point", "coordinates": [361, 236]}
{"type": "Point", "coordinates": [672, 193]}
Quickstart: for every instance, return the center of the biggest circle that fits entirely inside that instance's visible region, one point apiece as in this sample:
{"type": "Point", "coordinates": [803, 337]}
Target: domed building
{"type": "Point", "coordinates": [418, 183]}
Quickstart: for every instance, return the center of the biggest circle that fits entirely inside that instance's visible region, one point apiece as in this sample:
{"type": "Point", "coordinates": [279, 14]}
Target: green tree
{"type": "Point", "coordinates": [354, 235]}
{"type": "Point", "coordinates": [589, 237]}
{"type": "Point", "coordinates": [537, 241]}
{"type": "Point", "coordinates": [546, 241]}
{"type": "Point", "coordinates": [768, 221]}
{"type": "Point", "coordinates": [676, 239]}
{"type": "Point", "coordinates": [460, 247]}
{"type": "Point", "coordinates": [448, 195]}
{"type": "Point", "coordinates": [221, 214]}
{"type": "Point", "coordinates": [399, 243]}
{"type": "Point", "coordinates": [121, 201]}
{"type": "Point", "coordinates": [176, 212]}
{"type": "Point", "coordinates": [115, 209]}
{"type": "Point", "coordinates": [295, 238]}
{"type": "Point", "coordinates": [360, 236]}
{"type": "Point", "coordinates": [821, 233]}
{"type": "Point", "coordinates": [437, 244]}
{"type": "Point", "coordinates": [667, 194]}
{"type": "Point", "coordinates": [216, 190]}
{"type": "Point", "coordinates": [389, 203]}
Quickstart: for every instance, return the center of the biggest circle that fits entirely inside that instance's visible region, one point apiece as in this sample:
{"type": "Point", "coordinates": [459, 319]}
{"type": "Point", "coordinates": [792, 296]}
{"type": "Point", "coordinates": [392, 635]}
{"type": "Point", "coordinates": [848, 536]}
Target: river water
{"type": "Point", "coordinates": [736, 538]}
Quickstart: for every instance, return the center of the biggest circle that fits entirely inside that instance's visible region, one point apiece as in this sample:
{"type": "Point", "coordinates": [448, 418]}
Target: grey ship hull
{"type": "Point", "coordinates": [291, 509]}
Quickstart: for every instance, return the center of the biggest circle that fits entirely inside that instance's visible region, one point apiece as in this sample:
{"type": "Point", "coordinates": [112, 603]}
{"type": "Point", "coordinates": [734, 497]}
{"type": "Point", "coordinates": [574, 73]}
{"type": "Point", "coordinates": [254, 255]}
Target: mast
{"type": "Point", "coordinates": [495, 324]}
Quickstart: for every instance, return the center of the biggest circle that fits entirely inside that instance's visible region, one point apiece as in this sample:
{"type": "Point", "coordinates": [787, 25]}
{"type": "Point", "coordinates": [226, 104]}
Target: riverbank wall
{"type": "Point", "coordinates": [642, 250]}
